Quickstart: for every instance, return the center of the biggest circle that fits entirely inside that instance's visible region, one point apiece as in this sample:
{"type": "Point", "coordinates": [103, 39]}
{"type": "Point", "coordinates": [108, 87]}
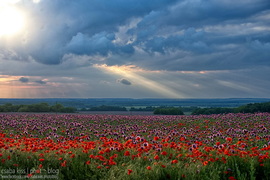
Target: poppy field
{"type": "Point", "coordinates": [72, 146]}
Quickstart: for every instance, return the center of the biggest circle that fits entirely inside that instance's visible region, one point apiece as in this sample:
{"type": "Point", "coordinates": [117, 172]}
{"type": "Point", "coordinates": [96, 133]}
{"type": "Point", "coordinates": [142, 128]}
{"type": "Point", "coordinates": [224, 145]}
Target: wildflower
{"type": "Point", "coordinates": [41, 155]}
{"type": "Point", "coordinates": [156, 157]}
{"type": "Point", "coordinates": [127, 153]}
{"type": "Point", "coordinates": [129, 171]}
{"type": "Point", "coordinates": [111, 162]}
{"type": "Point", "coordinates": [87, 162]}
{"type": "Point", "coordinates": [64, 163]}
{"type": "Point", "coordinates": [232, 178]}
{"type": "Point", "coordinates": [205, 163]}
{"type": "Point", "coordinates": [164, 153]}
{"type": "Point", "coordinates": [174, 161]}
{"type": "Point", "coordinates": [182, 138]}
{"type": "Point", "coordinates": [92, 156]}
{"type": "Point", "coordinates": [148, 167]}
{"type": "Point", "coordinates": [41, 160]}
{"type": "Point", "coordinates": [145, 144]}
{"type": "Point", "coordinates": [72, 156]}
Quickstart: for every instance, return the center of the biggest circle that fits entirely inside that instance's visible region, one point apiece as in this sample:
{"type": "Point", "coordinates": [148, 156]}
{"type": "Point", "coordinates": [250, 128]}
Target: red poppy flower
{"type": "Point", "coordinates": [129, 171]}
{"type": "Point", "coordinates": [164, 153]}
{"type": "Point", "coordinates": [205, 163]}
{"type": "Point", "coordinates": [127, 153]}
{"type": "Point", "coordinates": [174, 161]}
{"type": "Point", "coordinates": [64, 164]}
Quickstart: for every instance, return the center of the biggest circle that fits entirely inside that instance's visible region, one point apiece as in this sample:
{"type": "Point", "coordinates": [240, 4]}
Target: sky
{"type": "Point", "coordinates": [134, 49]}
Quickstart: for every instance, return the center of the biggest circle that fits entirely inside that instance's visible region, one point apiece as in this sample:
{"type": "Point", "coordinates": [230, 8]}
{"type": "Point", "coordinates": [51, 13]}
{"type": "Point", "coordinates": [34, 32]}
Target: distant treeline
{"type": "Point", "coordinates": [168, 111]}
{"type": "Point", "coordinates": [105, 108]}
{"type": "Point", "coordinates": [148, 108]}
{"type": "Point", "coordinates": [40, 107]}
{"type": "Point", "coordinates": [249, 108]}
{"type": "Point", "coordinates": [162, 110]}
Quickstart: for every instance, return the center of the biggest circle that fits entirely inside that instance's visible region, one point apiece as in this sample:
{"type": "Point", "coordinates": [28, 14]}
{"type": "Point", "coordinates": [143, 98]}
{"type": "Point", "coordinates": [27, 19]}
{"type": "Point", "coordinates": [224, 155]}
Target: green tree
{"type": "Point", "coordinates": [57, 107]}
{"type": "Point", "coordinates": [169, 111]}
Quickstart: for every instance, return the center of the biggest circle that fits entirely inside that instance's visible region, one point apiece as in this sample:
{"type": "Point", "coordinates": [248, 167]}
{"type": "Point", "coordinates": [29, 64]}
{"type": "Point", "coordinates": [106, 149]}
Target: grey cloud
{"type": "Point", "coordinates": [189, 41]}
{"type": "Point", "coordinates": [40, 82]}
{"type": "Point", "coordinates": [189, 13]}
{"type": "Point", "coordinates": [100, 44]}
{"type": "Point", "coordinates": [125, 82]}
{"type": "Point", "coordinates": [197, 13]}
{"type": "Point", "coordinates": [60, 24]}
{"type": "Point", "coordinates": [24, 80]}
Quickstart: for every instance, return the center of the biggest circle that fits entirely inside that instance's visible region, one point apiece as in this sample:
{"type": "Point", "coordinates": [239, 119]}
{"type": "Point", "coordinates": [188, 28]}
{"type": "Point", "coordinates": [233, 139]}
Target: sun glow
{"type": "Point", "coordinates": [12, 20]}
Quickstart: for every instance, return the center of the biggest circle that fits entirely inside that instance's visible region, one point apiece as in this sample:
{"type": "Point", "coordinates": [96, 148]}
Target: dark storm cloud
{"type": "Point", "coordinates": [24, 80]}
{"type": "Point", "coordinates": [125, 82]}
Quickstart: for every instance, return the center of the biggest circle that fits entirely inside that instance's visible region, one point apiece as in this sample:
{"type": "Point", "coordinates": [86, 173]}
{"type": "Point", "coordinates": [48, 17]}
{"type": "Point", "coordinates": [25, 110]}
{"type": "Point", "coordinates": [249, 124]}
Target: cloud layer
{"type": "Point", "coordinates": [64, 40]}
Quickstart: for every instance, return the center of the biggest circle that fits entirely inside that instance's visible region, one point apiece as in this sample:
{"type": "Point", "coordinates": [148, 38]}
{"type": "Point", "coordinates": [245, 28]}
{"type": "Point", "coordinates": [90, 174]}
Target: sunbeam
{"type": "Point", "coordinates": [131, 72]}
